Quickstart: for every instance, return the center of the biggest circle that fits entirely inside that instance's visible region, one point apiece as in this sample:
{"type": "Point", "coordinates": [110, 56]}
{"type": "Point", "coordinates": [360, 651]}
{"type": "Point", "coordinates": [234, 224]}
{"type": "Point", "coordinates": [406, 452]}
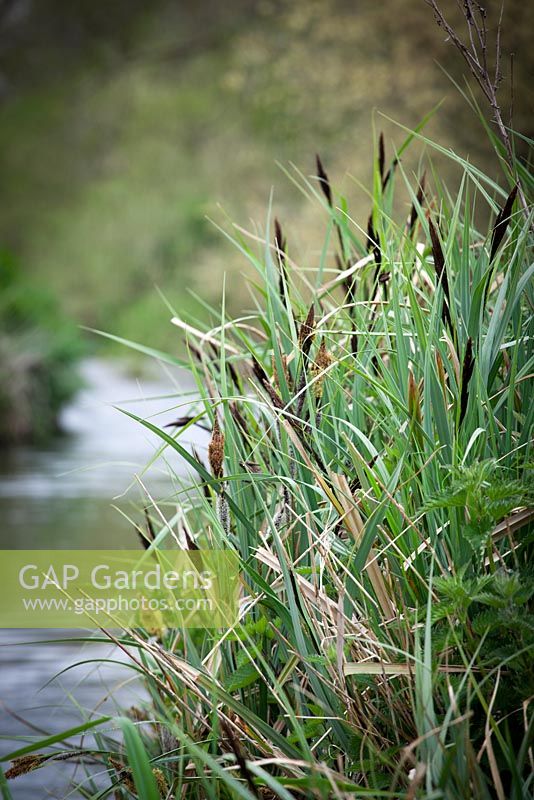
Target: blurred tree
{"type": "Point", "coordinates": [122, 124]}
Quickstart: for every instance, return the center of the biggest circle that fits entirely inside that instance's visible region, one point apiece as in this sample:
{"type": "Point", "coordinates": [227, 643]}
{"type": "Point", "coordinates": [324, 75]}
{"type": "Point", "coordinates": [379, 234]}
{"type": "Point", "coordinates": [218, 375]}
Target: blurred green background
{"type": "Point", "coordinates": [125, 124]}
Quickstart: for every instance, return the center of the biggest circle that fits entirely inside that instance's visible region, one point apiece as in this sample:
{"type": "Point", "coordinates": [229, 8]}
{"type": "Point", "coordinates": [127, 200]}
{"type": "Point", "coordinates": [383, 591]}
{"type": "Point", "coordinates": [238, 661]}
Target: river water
{"type": "Point", "coordinates": [63, 497]}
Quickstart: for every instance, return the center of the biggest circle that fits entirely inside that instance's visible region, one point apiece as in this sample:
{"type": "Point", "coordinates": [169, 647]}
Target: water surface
{"type": "Point", "coordinates": [63, 496]}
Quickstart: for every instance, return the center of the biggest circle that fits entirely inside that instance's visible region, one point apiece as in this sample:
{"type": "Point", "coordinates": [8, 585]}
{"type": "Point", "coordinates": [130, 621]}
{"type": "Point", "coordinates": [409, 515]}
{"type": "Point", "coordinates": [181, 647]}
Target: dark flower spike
{"type": "Point", "coordinates": [234, 375]}
{"type": "Point", "coordinates": [441, 272]}
{"type": "Point", "coordinates": [307, 331]}
{"type": "Point", "coordinates": [370, 241]}
{"type": "Point", "coordinates": [195, 351]}
{"type": "Point", "coordinates": [373, 242]}
{"type": "Point", "coordinates": [384, 176]}
{"type": "Point", "coordinates": [467, 373]}
{"type": "Point", "coordinates": [251, 466]}
{"type": "Point", "coordinates": [280, 244]}
{"type": "Point", "coordinates": [263, 379]}
{"type": "Point", "coordinates": [279, 239]}
{"type": "Point", "coordinates": [501, 223]}
{"type": "Point", "coordinates": [149, 524]}
{"type": "Point", "coordinates": [324, 181]}
{"type": "Point", "coordinates": [381, 157]}
{"type": "Point", "coordinates": [182, 421]}
{"type": "Point", "coordinates": [148, 538]}
{"type": "Point", "coordinates": [306, 337]}
{"type": "Point", "coordinates": [274, 397]}
{"type": "Point", "coordinates": [412, 219]}
{"type": "Point", "coordinates": [327, 191]}
{"type": "Point", "coordinates": [239, 419]}
{"type": "Point", "coordinates": [189, 539]}
{"type": "Point", "coordinates": [258, 371]}
{"type": "Point", "coordinates": [389, 173]}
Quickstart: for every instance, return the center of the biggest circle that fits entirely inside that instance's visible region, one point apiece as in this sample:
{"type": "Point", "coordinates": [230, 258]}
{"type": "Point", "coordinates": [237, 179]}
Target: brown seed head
{"type": "Point", "coordinates": [263, 379]}
{"type": "Point", "coordinates": [387, 177]}
{"type": "Point", "coordinates": [124, 774]}
{"type": "Point", "coordinates": [239, 419]}
{"type": "Point", "coordinates": [137, 714]}
{"type": "Point", "coordinates": [240, 756]}
{"type": "Point", "coordinates": [373, 242]}
{"type": "Point", "coordinates": [307, 331]}
{"type": "Point", "coordinates": [280, 244]}
{"type": "Point", "coordinates": [414, 398]}
{"type": "Point", "coordinates": [23, 765]}
{"type": "Point", "coordinates": [216, 451]}
{"type": "Point", "coordinates": [163, 786]}
{"type": "Point", "coordinates": [323, 360]}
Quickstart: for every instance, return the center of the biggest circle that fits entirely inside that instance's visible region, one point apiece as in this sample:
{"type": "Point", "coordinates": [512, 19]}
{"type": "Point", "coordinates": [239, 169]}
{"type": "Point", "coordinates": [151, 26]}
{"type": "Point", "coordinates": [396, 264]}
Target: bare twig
{"type": "Point", "coordinates": [475, 55]}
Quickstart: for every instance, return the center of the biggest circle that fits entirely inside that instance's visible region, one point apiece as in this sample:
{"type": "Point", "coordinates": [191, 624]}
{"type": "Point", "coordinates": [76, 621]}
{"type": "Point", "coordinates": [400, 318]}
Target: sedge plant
{"type": "Point", "coordinates": [370, 463]}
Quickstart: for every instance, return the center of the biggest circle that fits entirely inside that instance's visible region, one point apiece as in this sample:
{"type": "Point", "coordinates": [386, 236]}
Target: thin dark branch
{"type": "Point", "coordinates": [475, 57]}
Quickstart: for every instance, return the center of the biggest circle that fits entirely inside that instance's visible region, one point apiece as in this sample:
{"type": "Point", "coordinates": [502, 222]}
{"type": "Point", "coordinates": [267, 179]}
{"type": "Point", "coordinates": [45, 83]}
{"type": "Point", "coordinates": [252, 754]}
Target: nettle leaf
{"type": "Point", "coordinates": [476, 533]}
{"type": "Point", "coordinates": [243, 676]}
{"type": "Point", "coordinates": [484, 621]}
{"type": "Point", "coordinates": [443, 610]}
{"type": "Point", "coordinates": [486, 492]}
{"type": "Point", "coordinates": [242, 658]}
{"type": "Point", "coordinates": [504, 590]}
{"type": "Point", "coordinates": [460, 589]}
{"type": "Point", "coordinates": [451, 499]}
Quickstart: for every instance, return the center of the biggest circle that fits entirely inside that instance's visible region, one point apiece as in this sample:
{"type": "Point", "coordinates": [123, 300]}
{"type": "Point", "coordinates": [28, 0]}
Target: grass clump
{"type": "Point", "coordinates": [370, 462]}
{"type": "Point", "coordinates": [370, 456]}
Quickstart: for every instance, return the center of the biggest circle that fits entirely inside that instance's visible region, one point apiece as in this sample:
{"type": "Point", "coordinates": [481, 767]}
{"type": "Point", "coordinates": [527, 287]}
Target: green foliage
{"type": "Point", "coordinates": [486, 494]}
{"type": "Point", "coordinates": [374, 429]}
{"type": "Point", "coordinates": [144, 780]}
{"type": "Point", "coordinates": [243, 676]}
{"type": "Point", "coordinates": [369, 463]}
{"type": "Point", "coordinates": [364, 427]}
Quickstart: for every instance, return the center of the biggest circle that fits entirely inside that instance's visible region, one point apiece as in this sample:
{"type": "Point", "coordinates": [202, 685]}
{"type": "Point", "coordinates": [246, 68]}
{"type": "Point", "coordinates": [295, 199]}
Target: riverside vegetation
{"type": "Point", "coordinates": [371, 463]}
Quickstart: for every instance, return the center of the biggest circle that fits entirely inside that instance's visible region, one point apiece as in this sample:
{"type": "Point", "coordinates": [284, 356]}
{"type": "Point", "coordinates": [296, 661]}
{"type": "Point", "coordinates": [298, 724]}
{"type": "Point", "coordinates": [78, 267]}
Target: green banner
{"type": "Point", "coordinates": [153, 589]}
